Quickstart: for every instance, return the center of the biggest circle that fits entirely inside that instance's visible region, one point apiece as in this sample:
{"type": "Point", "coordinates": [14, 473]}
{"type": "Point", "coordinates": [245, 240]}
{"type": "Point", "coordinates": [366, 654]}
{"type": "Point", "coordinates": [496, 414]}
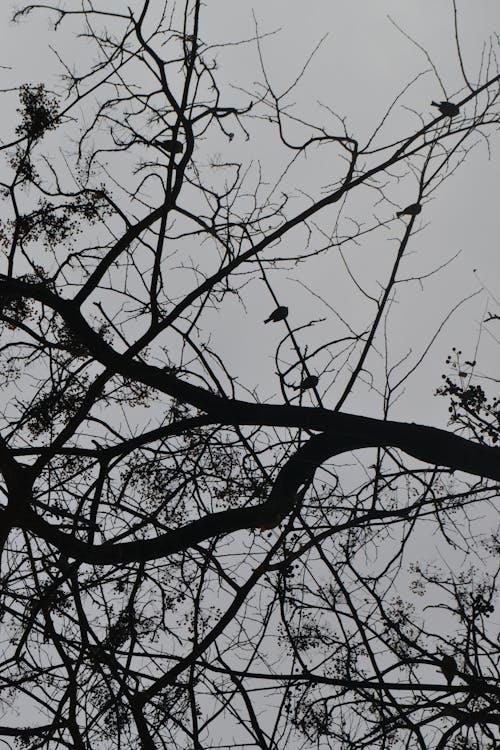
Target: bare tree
{"type": "Point", "coordinates": [190, 559]}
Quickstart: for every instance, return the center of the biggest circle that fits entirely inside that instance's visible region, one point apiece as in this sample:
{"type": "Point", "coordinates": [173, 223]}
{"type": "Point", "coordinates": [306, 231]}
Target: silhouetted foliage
{"type": "Point", "coordinates": [199, 551]}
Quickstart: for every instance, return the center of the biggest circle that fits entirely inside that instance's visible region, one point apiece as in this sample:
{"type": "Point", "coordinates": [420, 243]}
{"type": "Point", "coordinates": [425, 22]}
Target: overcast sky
{"type": "Point", "coordinates": [363, 63]}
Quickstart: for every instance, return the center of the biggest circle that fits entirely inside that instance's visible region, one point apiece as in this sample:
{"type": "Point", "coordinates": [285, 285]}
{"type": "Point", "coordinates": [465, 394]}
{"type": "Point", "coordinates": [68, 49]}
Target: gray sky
{"type": "Point", "coordinates": [361, 65]}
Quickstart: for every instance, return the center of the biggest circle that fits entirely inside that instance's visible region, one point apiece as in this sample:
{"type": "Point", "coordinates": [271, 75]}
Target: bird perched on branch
{"type": "Point", "coordinates": [280, 313]}
{"type": "Point", "coordinates": [447, 108]}
{"type": "Point", "coordinates": [310, 381]}
{"type": "Point", "coordinates": [411, 210]}
{"type": "Point", "coordinates": [171, 146]}
{"type": "Point", "coordinates": [449, 668]}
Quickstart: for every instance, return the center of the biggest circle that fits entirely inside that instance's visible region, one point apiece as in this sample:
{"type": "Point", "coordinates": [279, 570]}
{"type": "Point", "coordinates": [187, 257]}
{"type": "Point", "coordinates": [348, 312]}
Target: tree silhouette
{"type": "Point", "coordinates": [190, 559]}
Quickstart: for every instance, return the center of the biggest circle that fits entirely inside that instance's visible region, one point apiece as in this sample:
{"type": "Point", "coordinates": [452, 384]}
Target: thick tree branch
{"type": "Point", "coordinates": [423, 443]}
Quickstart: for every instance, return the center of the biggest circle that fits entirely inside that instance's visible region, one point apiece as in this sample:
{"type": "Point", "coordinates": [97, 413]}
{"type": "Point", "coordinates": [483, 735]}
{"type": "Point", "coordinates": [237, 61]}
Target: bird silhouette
{"type": "Point", "coordinates": [310, 381]}
{"type": "Point", "coordinates": [447, 108]}
{"type": "Point", "coordinates": [449, 668]}
{"type": "Point", "coordinates": [411, 210]}
{"type": "Point", "coordinates": [171, 146]}
{"type": "Point", "coordinates": [280, 313]}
